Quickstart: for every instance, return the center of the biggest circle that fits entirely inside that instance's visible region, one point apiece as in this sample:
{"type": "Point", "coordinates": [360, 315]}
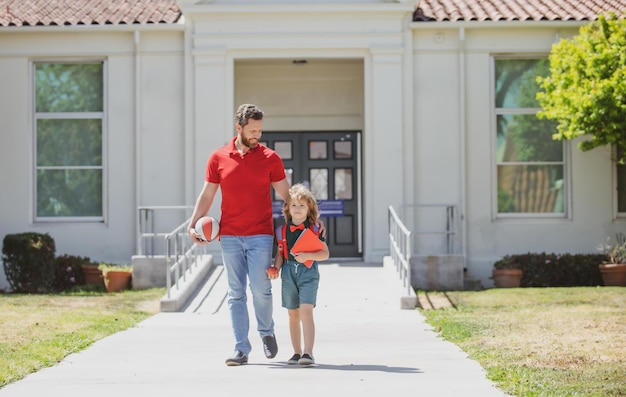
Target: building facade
{"type": "Point", "coordinates": [426, 107]}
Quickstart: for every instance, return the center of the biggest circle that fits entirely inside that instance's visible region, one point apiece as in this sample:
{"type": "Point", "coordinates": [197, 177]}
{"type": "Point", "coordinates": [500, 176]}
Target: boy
{"type": "Point", "coordinates": [300, 273]}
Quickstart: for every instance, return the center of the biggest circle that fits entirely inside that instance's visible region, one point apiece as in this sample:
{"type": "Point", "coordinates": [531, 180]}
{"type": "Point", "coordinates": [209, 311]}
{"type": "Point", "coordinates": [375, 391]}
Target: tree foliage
{"type": "Point", "coordinates": [586, 89]}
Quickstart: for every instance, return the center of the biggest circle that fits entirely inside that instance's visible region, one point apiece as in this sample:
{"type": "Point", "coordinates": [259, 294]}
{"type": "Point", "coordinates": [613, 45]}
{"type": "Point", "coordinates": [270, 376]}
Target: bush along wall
{"type": "Point", "coordinates": [560, 270]}
{"type": "Point", "coordinates": [29, 262]}
{"type": "Point", "coordinates": [68, 272]}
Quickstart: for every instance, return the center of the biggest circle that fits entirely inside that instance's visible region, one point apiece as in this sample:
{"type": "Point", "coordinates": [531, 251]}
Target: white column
{"type": "Point", "coordinates": [384, 145]}
{"type": "Point", "coordinates": [210, 112]}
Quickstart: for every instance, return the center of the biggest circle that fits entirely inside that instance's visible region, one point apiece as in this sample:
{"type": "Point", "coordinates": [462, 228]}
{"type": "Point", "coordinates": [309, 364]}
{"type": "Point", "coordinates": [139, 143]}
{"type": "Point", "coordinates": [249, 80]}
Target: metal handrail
{"type": "Point", "coordinates": [182, 257]}
{"type": "Point", "coordinates": [400, 248]}
{"type": "Point", "coordinates": [449, 223]}
{"type": "Point", "coordinates": [147, 235]}
{"type": "Point", "coordinates": [401, 244]}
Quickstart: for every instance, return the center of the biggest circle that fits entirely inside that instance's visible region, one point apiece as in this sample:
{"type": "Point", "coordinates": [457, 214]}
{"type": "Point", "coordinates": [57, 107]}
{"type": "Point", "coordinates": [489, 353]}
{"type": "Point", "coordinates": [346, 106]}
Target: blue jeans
{"type": "Point", "coordinates": [248, 257]}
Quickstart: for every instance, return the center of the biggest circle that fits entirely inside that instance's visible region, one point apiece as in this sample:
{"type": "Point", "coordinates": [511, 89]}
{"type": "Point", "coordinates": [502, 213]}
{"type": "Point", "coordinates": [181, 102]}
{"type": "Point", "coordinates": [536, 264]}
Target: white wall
{"type": "Point", "coordinates": [423, 102]}
{"type": "Point", "coordinates": [160, 119]}
{"type": "Point", "coordinates": [443, 140]}
{"type": "Point", "coordinates": [228, 40]}
{"type": "Point", "coordinates": [323, 94]}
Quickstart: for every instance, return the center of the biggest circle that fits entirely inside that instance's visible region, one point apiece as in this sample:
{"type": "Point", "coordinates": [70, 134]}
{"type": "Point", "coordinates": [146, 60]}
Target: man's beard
{"type": "Point", "coordinates": [246, 142]}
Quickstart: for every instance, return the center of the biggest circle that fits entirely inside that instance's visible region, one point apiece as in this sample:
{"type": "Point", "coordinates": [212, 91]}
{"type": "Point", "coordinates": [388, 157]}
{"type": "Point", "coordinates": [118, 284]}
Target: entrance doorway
{"type": "Point", "coordinates": [329, 164]}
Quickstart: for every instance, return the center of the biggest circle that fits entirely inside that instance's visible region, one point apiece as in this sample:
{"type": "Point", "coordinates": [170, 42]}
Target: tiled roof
{"type": "Point", "coordinates": [116, 12]}
{"type": "Point", "coordinates": [87, 12]}
{"type": "Point", "coordinates": [515, 10]}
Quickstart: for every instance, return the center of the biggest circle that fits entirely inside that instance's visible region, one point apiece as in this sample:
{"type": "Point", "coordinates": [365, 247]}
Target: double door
{"type": "Point", "coordinates": [329, 164]}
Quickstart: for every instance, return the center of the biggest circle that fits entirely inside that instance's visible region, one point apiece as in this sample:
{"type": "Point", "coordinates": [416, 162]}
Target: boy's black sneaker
{"type": "Point", "coordinates": [269, 346]}
{"type": "Point", "coordinates": [294, 359]}
{"type": "Point", "coordinates": [306, 359]}
{"type": "Point", "coordinates": [237, 359]}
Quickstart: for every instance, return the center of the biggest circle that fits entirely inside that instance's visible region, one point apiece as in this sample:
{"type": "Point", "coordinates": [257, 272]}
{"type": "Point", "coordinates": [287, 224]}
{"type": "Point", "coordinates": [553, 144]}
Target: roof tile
{"type": "Point", "coordinates": [87, 12]}
{"type": "Point", "coordinates": [516, 10]}
{"type": "Point", "coordinates": [102, 12]}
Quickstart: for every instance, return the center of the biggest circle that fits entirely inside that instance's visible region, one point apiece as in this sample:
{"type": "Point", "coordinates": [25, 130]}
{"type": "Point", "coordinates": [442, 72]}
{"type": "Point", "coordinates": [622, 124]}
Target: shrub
{"type": "Point", "coordinates": [28, 260]}
{"type": "Point", "coordinates": [68, 272]}
{"type": "Point", "coordinates": [559, 270]}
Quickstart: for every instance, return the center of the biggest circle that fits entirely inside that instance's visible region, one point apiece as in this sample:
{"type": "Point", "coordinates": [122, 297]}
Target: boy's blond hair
{"type": "Point", "coordinates": [301, 192]}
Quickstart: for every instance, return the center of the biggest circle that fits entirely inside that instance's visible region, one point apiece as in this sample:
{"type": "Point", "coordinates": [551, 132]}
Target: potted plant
{"type": "Point", "coordinates": [507, 273]}
{"type": "Point", "coordinates": [613, 270]}
{"type": "Point", "coordinates": [116, 277]}
{"type": "Point", "coordinates": [92, 273]}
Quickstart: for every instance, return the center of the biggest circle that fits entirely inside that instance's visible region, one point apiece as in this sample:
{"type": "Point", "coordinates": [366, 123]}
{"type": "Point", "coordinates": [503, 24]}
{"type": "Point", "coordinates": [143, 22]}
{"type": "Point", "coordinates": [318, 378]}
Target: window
{"type": "Point", "coordinates": [530, 164]}
{"type": "Point", "coordinates": [69, 116]}
{"type": "Point", "coordinates": [621, 189]}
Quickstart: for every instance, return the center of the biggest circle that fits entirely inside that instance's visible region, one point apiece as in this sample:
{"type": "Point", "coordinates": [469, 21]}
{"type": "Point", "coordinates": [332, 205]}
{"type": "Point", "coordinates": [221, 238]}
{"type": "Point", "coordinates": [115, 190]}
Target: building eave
{"type": "Point", "coordinates": [467, 25]}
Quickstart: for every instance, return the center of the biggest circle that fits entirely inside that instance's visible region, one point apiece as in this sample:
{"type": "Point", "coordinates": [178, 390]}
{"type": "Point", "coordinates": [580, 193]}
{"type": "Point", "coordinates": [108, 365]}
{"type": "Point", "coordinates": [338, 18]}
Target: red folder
{"type": "Point", "coordinates": [307, 242]}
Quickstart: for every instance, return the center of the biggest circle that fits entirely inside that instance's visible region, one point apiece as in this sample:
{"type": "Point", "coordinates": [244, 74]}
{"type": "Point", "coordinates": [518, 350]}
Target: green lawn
{"type": "Point", "coordinates": [531, 341]}
{"type": "Point", "coordinates": [541, 341]}
{"type": "Point", "coordinates": [38, 331]}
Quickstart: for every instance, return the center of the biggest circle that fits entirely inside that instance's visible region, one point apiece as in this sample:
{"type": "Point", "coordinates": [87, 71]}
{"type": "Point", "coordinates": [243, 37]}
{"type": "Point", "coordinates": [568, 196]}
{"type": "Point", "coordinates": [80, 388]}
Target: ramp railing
{"type": "Point", "coordinates": [182, 256]}
{"type": "Point", "coordinates": [435, 228]}
{"type": "Point", "coordinates": [400, 248]}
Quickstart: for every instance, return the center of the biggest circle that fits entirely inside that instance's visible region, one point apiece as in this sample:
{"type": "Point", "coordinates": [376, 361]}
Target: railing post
{"type": "Point", "coordinates": [168, 275]}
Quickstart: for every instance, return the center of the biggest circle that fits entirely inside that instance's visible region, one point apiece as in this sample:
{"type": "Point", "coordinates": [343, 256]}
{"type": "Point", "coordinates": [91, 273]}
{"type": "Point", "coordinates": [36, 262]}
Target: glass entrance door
{"type": "Point", "coordinates": [329, 164]}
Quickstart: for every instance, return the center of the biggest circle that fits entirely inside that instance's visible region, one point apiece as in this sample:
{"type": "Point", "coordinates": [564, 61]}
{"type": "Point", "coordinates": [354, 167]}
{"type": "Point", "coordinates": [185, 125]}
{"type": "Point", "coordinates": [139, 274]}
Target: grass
{"type": "Point", "coordinates": [541, 341]}
{"type": "Point", "coordinates": [38, 331]}
{"type": "Point", "coordinates": [531, 341]}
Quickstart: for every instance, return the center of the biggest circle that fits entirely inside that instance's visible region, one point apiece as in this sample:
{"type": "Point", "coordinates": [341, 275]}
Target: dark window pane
{"type": "Point", "coordinates": [283, 148]}
{"type": "Point", "coordinates": [621, 187]}
{"type": "Point", "coordinates": [64, 87]}
{"type": "Point", "coordinates": [530, 189]}
{"type": "Point", "coordinates": [343, 149]}
{"type": "Point", "coordinates": [524, 137]}
{"type": "Point", "coordinates": [343, 183]}
{"type": "Point", "coordinates": [71, 192]}
{"type": "Point", "coordinates": [318, 178]}
{"type": "Point", "coordinates": [69, 142]}
{"type": "Point", "coordinates": [318, 150]}
{"type": "Point", "coordinates": [289, 177]}
{"type": "Point", "coordinates": [516, 82]}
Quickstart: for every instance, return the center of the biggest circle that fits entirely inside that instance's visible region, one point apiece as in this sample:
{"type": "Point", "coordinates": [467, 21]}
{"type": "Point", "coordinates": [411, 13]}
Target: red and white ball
{"type": "Point", "coordinates": [208, 228]}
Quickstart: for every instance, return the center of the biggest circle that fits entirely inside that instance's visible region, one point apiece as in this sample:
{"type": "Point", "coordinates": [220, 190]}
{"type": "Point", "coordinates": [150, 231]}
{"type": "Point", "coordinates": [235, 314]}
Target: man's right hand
{"type": "Point", "coordinates": [195, 237]}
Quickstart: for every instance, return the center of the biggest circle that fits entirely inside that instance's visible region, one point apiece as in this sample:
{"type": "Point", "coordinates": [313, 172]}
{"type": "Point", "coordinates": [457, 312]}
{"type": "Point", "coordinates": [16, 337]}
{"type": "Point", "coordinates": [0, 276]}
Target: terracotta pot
{"type": "Point", "coordinates": [116, 281]}
{"type": "Point", "coordinates": [613, 274]}
{"type": "Point", "coordinates": [93, 275]}
{"type": "Point", "coordinates": [507, 278]}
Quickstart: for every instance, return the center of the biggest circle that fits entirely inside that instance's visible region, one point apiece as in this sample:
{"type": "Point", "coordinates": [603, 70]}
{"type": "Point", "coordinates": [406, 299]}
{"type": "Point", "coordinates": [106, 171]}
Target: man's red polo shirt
{"type": "Point", "coordinates": [245, 182]}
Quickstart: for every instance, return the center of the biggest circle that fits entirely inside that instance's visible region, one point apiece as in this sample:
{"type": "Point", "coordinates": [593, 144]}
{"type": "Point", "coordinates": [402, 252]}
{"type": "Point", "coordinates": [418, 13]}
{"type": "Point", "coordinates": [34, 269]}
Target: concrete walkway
{"type": "Point", "coordinates": [365, 345]}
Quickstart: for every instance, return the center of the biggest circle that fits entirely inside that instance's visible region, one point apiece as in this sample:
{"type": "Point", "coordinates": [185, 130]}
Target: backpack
{"type": "Point", "coordinates": [281, 238]}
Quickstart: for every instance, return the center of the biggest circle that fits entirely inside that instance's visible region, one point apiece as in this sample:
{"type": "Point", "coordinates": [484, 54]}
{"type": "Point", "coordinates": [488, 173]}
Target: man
{"type": "Point", "coordinates": [245, 170]}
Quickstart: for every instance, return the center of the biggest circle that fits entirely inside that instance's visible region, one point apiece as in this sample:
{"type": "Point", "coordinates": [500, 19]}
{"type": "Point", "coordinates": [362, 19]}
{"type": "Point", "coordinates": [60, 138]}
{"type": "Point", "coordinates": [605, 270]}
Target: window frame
{"type": "Point", "coordinates": [495, 164]}
{"type": "Point", "coordinates": [36, 116]}
{"type": "Point", "coordinates": [615, 185]}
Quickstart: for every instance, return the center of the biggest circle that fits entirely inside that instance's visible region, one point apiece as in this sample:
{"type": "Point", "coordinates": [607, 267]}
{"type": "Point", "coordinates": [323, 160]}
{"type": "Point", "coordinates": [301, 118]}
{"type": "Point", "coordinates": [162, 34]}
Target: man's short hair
{"type": "Point", "coordinates": [246, 112]}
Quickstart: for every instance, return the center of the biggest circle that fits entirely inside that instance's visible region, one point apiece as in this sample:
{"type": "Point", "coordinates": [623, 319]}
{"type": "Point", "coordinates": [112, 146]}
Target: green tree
{"type": "Point", "coordinates": [586, 89]}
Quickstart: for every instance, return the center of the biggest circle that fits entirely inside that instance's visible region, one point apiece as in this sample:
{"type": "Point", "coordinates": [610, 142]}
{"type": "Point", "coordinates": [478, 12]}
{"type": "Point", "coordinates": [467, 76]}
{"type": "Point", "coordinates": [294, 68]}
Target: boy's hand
{"type": "Point", "coordinates": [272, 273]}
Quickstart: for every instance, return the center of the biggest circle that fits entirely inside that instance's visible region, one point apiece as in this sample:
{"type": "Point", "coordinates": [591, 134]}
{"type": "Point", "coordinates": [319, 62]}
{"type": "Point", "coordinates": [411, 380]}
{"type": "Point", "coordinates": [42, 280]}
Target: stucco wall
{"type": "Point", "coordinates": [454, 120]}
{"type": "Point", "coordinates": [420, 92]}
{"type": "Point", "coordinates": [158, 128]}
